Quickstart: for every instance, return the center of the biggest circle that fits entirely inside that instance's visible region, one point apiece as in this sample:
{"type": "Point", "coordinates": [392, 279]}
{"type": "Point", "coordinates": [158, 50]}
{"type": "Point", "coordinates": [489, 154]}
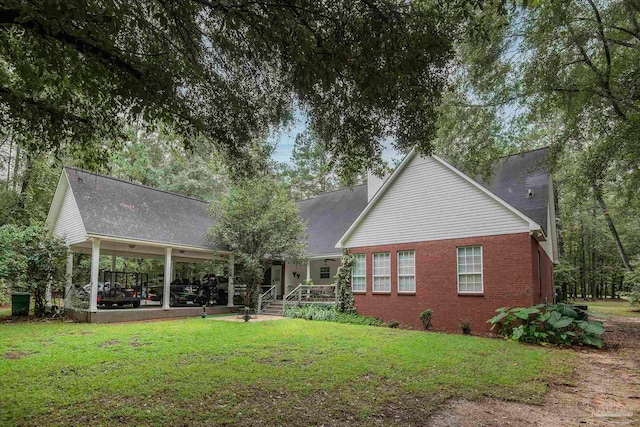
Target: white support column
{"type": "Point", "coordinates": [69, 281]}
{"type": "Point", "coordinates": [95, 268]}
{"type": "Point", "coordinates": [166, 294]}
{"type": "Point", "coordinates": [231, 290]}
{"type": "Point", "coordinates": [309, 269]}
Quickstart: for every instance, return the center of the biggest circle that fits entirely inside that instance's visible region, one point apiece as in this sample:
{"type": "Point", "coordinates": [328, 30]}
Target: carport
{"type": "Point", "coordinates": [100, 215]}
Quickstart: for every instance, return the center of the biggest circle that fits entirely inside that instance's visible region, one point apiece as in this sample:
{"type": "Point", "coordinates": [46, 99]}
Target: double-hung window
{"type": "Point", "coordinates": [406, 271]}
{"type": "Point", "coordinates": [359, 274]}
{"type": "Point", "coordinates": [470, 269]}
{"type": "Point", "coordinates": [382, 272]}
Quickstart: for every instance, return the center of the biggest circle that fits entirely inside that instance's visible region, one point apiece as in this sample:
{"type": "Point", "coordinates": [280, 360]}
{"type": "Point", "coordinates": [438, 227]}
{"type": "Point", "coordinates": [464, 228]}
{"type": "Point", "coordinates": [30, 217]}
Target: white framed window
{"type": "Point", "coordinates": [406, 271]}
{"type": "Point", "coordinates": [325, 272]}
{"type": "Point", "coordinates": [382, 272]}
{"type": "Point", "coordinates": [359, 274]}
{"type": "Point", "coordinates": [470, 269]}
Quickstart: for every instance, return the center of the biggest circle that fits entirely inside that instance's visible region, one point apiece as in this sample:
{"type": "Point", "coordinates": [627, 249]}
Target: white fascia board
{"type": "Point", "coordinates": [377, 197]}
{"type": "Point", "coordinates": [58, 198]}
{"type": "Point", "coordinates": [154, 243]}
{"type": "Point", "coordinates": [323, 256]}
{"type": "Point", "coordinates": [533, 226]}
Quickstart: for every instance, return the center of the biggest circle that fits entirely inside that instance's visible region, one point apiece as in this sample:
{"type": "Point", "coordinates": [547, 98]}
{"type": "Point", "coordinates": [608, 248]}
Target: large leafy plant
{"type": "Point", "coordinates": [557, 324]}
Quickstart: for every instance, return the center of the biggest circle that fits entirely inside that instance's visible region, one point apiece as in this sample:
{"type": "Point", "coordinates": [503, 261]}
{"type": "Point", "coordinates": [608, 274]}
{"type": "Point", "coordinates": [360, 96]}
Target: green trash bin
{"type": "Point", "coordinates": [20, 303]}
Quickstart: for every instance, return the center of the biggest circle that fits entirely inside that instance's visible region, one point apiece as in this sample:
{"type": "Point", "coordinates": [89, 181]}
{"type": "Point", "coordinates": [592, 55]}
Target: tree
{"type": "Point", "coordinates": [311, 172]}
{"type": "Point", "coordinates": [228, 72]}
{"type": "Point", "coordinates": [32, 259]}
{"type": "Point", "coordinates": [564, 74]}
{"type": "Point", "coordinates": [258, 222]}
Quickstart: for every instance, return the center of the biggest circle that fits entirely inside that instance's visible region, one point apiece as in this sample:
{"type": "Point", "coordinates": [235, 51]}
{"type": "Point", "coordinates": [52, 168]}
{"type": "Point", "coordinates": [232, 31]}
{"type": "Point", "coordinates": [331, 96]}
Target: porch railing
{"type": "Point", "coordinates": [310, 294]}
{"type": "Point", "coordinates": [266, 298]}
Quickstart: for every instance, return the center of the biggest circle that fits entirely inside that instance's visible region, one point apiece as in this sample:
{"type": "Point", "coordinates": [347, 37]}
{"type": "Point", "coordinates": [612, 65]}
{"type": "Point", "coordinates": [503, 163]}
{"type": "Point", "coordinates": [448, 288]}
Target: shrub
{"type": "Point", "coordinates": [346, 302]}
{"type": "Point", "coordinates": [465, 326]}
{"type": "Point", "coordinates": [632, 282]}
{"type": "Point", "coordinates": [5, 293]}
{"type": "Point", "coordinates": [329, 314]}
{"type": "Point", "coordinates": [393, 324]}
{"type": "Point", "coordinates": [425, 318]}
{"type": "Point", "coordinates": [30, 258]}
{"type": "Point", "coordinates": [557, 324]}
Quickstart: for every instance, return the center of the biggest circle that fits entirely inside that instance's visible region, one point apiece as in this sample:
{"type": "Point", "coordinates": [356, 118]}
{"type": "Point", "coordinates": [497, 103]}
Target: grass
{"type": "Point", "coordinates": [288, 372]}
{"type": "Point", "coordinates": [620, 308]}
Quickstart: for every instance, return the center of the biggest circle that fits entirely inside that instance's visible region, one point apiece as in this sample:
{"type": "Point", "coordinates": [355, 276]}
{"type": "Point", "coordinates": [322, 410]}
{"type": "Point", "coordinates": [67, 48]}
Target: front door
{"type": "Point", "coordinates": [276, 278]}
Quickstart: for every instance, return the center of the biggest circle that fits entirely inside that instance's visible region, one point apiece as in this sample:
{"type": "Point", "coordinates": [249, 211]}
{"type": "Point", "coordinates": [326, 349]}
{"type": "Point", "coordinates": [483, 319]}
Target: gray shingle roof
{"type": "Point", "coordinates": [329, 215]}
{"type": "Point", "coordinates": [116, 208]}
{"type": "Point", "coordinates": [515, 175]}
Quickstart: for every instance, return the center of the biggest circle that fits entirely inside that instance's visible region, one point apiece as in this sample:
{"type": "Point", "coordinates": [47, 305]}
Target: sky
{"type": "Point", "coordinates": [285, 138]}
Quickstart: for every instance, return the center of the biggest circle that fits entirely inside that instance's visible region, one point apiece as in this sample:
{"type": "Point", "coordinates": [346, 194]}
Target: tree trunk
{"type": "Point", "coordinates": [6, 184]}
{"type": "Point", "coordinates": [583, 263]}
{"type": "Point", "coordinates": [26, 179]}
{"type": "Point", "coordinates": [612, 229]}
{"type": "Point", "coordinates": [16, 167]}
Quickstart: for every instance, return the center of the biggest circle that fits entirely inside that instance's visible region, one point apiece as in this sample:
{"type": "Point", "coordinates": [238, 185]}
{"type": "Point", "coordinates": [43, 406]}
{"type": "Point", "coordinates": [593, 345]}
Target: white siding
{"type": "Point", "coordinates": [69, 223]}
{"type": "Point", "coordinates": [373, 184]}
{"type": "Point", "coordinates": [428, 201]}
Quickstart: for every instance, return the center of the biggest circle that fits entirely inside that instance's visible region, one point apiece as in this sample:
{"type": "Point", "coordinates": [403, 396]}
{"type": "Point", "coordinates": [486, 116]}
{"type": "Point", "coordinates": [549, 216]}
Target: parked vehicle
{"type": "Point", "coordinates": [116, 294]}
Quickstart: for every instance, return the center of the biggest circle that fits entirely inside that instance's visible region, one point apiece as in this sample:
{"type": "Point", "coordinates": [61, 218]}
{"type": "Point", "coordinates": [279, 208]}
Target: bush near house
{"type": "Point", "coordinates": [30, 258]}
{"type": "Point", "coordinates": [557, 324]}
{"type": "Point", "coordinates": [425, 318]}
{"type": "Point", "coordinates": [330, 314]}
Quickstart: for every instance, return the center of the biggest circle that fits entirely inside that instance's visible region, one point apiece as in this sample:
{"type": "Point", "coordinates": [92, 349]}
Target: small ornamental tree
{"type": "Point", "coordinates": [346, 302]}
{"type": "Point", "coordinates": [258, 222]}
{"type": "Point", "coordinates": [30, 259]}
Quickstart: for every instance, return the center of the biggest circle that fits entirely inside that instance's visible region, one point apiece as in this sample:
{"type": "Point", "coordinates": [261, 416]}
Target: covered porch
{"type": "Point", "coordinates": [155, 298]}
{"type": "Point", "coordinates": [107, 222]}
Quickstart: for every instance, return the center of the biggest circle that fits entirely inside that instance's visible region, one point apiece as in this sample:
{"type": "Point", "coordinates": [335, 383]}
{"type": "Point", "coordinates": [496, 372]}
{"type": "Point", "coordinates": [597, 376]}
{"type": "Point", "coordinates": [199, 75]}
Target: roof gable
{"type": "Point", "coordinates": [64, 218]}
{"type": "Point", "coordinates": [428, 199]}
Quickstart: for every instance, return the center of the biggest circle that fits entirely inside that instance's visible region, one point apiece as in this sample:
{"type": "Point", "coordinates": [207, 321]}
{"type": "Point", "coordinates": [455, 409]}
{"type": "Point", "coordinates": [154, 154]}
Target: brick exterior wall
{"type": "Point", "coordinates": [509, 279]}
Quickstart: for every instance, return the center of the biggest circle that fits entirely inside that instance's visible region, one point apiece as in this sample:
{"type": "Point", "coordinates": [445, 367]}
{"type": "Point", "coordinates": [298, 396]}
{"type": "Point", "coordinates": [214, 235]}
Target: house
{"type": "Point", "coordinates": [432, 237]}
{"type": "Point", "coordinates": [428, 236]}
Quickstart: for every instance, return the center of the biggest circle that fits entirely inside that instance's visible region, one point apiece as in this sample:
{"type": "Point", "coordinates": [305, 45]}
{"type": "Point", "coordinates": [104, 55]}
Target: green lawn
{"type": "Point", "coordinates": [619, 307]}
{"type": "Point", "coordinates": [288, 372]}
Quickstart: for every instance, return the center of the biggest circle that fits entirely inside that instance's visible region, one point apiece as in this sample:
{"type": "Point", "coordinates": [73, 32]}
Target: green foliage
{"type": "Point", "coordinates": [258, 222]}
{"type": "Point", "coordinates": [465, 326]}
{"type": "Point", "coordinates": [311, 170]}
{"type": "Point", "coordinates": [425, 318]}
{"type": "Point", "coordinates": [632, 281]}
{"type": "Point", "coordinates": [31, 258]}
{"type": "Point", "coordinates": [346, 301]}
{"type": "Point", "coordinates": [330, 314]}
{"type": "Point", "coordinates": [557, 324]}
{"type": "Point", "coordinates": [228, 73]}
{"type": "Point", "coordinates": [5, 293]}
{"type": "Point", "coordinates": [393, 324]}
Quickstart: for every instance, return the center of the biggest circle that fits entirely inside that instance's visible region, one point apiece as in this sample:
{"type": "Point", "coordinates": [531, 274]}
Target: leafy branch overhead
{"type": "Point", "coordinates": [228, 71]}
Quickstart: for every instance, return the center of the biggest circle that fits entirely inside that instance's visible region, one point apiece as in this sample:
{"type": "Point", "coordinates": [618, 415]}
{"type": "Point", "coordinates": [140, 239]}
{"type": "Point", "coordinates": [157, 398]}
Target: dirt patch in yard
{"type": "Point", "coordinates": [605, 392]}
{"type": "Point", "coordinates": [15, 355]}
{"type": "Point", "coordinates": [109, 343]}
